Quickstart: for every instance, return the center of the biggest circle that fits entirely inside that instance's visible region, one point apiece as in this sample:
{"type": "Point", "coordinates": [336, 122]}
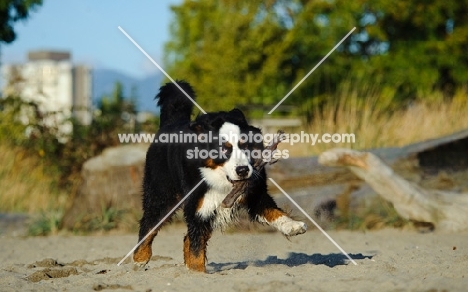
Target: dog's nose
{"type": "Point", "coordinates": [242, 171]}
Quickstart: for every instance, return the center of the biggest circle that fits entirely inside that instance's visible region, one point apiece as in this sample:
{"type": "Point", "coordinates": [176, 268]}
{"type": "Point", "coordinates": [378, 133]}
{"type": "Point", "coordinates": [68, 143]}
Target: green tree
{"type": "Point", "coordinates": [117, 115]}
{"type": "Point", "coordinates": [12, 11]}
{"type": "Point", "coordinates": [254, 52]}
{"type": "Point", "coordinates": [222, 56]}
{"type": "Point", "coordinates": [427, 45]}
{"type": "Point", "coordinates": [243, 52]}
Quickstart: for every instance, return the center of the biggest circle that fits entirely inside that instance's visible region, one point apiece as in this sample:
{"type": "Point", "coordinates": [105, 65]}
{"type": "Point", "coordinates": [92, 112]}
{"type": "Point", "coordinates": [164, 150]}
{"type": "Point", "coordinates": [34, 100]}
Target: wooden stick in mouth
{"type": "Point", "coordinates": [240, 187]}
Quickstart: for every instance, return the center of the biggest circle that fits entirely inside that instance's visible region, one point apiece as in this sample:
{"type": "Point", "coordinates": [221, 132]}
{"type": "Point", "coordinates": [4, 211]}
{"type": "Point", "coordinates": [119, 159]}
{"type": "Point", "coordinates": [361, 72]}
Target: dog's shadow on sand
{"type": "Point", "coordinates": [293, 260]}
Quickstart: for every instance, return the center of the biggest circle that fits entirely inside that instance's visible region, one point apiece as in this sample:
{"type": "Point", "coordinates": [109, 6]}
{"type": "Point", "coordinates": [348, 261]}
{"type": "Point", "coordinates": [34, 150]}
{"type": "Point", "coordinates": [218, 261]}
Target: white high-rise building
{"type": "Point", "coordinates": [50, 79]}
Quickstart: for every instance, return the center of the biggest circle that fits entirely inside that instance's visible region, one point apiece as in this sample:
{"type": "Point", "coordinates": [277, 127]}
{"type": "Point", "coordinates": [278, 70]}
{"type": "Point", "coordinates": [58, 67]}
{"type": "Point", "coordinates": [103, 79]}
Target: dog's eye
{"type": "Point", "coordinates": [227, 147]}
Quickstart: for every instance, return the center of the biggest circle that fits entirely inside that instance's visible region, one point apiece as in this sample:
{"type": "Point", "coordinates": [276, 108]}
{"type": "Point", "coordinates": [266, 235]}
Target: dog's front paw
{"type": "Point", "coordinates": [139, 266]}
{"type": "Point", "coordinates": [289, 227]}
{"type": "Point", "coordinates": [295, 228]}
{"type": "Point", "coordinates": [140, 259]}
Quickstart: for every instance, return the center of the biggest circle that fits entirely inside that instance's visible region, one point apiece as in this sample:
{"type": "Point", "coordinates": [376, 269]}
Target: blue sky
{"type": "Point", "coordinates": [88, 28]}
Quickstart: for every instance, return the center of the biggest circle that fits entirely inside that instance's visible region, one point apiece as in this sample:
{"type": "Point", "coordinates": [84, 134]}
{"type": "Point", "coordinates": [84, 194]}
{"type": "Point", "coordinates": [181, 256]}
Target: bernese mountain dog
{"type": "Point", "coordinates": [173, 169]}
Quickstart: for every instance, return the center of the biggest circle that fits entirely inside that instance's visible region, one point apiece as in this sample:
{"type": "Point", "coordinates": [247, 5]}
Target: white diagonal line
{"type": "Point", "coordinates": [160, 68]}
{"type": "Point", "coordinates": [160, 222]}
{"type": "Point", "coordinates": [313, 69]}
{"type": "Point", "coordinates": [312, 220]}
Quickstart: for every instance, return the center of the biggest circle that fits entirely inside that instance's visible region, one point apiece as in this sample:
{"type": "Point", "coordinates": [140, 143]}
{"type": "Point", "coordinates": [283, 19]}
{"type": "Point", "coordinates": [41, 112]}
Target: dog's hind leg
{"type": "Point", "coordinates": [151, 218]}
{"type": "Point", "coordinates": [143, 253]}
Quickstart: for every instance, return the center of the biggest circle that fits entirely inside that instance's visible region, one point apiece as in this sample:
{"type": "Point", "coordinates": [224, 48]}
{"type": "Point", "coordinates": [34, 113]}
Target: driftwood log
{"type": "Point", "coordinates": [447, 211]}
{"type": "Point", "coordinates": [240, 187]}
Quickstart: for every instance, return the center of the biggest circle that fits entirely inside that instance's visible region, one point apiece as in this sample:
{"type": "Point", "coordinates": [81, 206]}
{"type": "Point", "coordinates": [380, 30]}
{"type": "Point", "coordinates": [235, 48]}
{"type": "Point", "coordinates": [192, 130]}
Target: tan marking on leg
{"type": "Point", "coordinates": [271, 215]}
{"type": "Point", "coordinates": [194, 261]}
{"type": "Point", "coordinates": [144, 252]}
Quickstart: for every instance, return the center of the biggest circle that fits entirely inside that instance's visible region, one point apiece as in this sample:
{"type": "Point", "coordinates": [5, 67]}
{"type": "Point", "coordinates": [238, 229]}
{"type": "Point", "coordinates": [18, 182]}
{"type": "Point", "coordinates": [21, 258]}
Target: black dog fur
{"type": "Point", "coordinates": [170, 175]}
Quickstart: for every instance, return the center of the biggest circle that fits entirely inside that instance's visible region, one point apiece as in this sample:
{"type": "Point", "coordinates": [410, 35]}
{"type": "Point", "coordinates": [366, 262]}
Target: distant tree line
{"type": "Point", "coordinates": [254, 52]}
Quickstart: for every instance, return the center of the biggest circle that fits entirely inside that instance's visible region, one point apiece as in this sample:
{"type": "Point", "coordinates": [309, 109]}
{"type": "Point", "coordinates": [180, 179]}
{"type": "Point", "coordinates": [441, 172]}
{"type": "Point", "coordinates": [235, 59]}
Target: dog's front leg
{"type": "Point", "coordinates": [280, 220]}
{"type": "Point", "coordinates": [195, 243]}
{"type": "Point", "coordinates": [262, 208]}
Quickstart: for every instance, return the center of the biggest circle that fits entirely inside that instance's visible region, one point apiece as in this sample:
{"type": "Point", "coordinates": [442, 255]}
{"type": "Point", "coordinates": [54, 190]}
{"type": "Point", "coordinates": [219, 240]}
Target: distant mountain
{"type": "Point", "coordinates": [146, 88]}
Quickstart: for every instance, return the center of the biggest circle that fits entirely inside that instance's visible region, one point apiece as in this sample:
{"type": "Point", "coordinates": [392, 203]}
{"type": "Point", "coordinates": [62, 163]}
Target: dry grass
{"type": "Point", "coordinates": [375, 124]}
{"type": "Point", "coordinates": [24, 185]}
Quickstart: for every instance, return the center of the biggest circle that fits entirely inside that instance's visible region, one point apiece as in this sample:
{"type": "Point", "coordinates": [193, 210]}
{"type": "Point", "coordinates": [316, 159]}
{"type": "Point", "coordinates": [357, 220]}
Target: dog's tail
{"type": "Point", "coordinates": [175, 105]}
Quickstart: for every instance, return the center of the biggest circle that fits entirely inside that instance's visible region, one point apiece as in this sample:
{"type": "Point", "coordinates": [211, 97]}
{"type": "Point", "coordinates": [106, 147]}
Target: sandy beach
{"type": "Point", "coordinates": [388, 260]}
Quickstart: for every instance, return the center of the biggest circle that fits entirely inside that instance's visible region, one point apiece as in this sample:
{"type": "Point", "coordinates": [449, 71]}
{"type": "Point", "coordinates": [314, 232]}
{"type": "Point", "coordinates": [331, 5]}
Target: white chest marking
{"type": "Point", "coordinates": [212, 206]}
{"type": "Point", "coordinates": [211, 202]}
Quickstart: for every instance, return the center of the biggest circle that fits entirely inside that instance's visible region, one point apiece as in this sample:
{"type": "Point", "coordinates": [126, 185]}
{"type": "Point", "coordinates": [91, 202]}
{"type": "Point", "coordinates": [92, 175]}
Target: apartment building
{"type": "Point", "coordinates": [54, 82]}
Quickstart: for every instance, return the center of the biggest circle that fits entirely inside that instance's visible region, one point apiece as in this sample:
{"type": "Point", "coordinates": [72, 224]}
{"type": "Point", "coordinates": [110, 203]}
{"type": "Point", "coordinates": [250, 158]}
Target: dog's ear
{"type": "Point", "coordinates": [196, 127]}
{"type": "Point", "coordinates": [237, 115]}
{"type": "Point", "coordinates": [203, 125]}
{"type": "Point", "coordinates": [217, 123]}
